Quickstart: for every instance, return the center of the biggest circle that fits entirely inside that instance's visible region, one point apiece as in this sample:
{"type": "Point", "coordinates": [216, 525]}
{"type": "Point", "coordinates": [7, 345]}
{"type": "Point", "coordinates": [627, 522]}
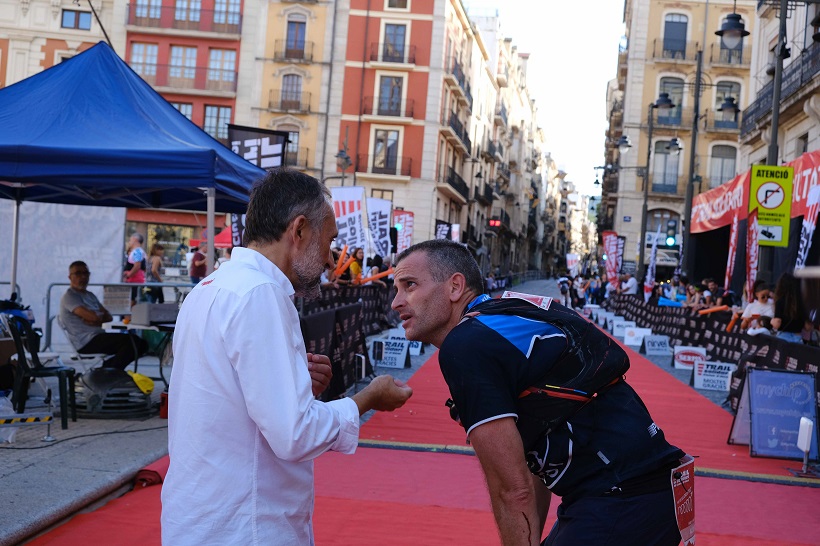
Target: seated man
{"type": "Point", "coordinates": [82, 316]}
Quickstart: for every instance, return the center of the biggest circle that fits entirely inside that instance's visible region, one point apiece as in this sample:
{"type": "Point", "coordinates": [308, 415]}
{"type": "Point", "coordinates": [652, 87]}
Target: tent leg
{"type": "Point", "coordinates": [15, 239]}
{"type": "Point", "coordinates": [210, 222]}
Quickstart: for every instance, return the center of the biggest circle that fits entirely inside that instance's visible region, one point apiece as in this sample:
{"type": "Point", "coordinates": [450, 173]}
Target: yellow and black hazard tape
{"type": "Point", "coordinates": [27, 419]}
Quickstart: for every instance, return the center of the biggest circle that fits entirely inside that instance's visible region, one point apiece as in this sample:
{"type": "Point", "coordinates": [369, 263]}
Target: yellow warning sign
{"type": "Point", "coordinates": [770, 193]}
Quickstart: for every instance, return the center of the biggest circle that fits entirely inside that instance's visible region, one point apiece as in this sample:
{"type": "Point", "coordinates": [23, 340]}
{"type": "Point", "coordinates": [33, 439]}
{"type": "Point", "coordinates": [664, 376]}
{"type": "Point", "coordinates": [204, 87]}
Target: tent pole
{"type": "Point", "coordinates": [15, 239]}
{"type": "Point", "coordinates": [211, 198]}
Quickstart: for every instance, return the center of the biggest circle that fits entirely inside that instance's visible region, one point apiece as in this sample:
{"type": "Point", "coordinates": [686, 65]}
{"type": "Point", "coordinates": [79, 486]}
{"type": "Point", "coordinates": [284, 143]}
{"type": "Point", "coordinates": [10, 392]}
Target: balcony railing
{"type": "Point", "coordinates": [717, 122]}
{"type": "Point", "coordinates": [384, 164]}
{"type": "Point", "coordinates": [501, 112]}
{"type": "Point", "coordinates": [454, 67]}
{"type": "Point", "coordinates": [297, 158]}
{"type": "Point", "coordinates": [490, 149]}
{"type": "Point", "coordinates": [387, 106]}
{"type": "Point", "coordinates": [674, 50]}
{"type": "Point", "coordinates": [457, 183]}
{"type": "Point", "coordinates": [180, 18]}
{"type": "Point", "coordinates": [455, 124]}
{"type": "Point", "coordinates": [668, 185]}
{"type": "Point", "coordinates": [501, 214]}
{"type": "Point", "coordinates": [796, 75]}
{"type": "Point", "coordinates": [484, 195]}
{"type": "Point", "coordinates": [296, 51]}
{"type": "Point", "coordinates": [392, 53]}
{"type": "Point", "coordinates": [458, 128]}
{"type": "Point", "coordinates": [186, 77]}
{"type": "Point", "coordinates": [504, 171]}
{"type": "Point", "coordinates": [499, 149]}
{"type": "Point", "coordinates": [287, 101]}
{"type": "Point", "coordinates": [741, 56]}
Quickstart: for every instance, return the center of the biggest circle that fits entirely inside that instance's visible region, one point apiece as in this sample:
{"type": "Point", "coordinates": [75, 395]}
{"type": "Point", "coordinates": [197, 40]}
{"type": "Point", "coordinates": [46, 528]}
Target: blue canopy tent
{"type": "Point", "coordinates": [90, 131]}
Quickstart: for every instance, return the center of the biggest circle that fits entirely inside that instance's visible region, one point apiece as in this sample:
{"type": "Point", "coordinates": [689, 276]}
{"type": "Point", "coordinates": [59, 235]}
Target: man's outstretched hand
{"type": "Point", "coordinates": [382, 394]}
{"type": "Point", "coordinates": [320, 372]}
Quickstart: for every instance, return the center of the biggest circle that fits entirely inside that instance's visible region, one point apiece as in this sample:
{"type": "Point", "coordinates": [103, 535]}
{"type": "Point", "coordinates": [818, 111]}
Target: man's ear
{"type": "Point", "coordinates": [298, 230]}
{"type": "Point", "coordinates": [457, 286]}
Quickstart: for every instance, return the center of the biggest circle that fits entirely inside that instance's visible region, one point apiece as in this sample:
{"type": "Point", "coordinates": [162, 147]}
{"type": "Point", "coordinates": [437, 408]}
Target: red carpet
{"type": "Point", "coordinates": [403, 497]}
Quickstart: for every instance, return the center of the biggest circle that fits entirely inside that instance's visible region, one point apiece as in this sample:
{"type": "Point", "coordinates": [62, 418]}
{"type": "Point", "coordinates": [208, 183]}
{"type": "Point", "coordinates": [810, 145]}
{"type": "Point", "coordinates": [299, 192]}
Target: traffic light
{"type": "Point", "coordinates": [671, 232]}
{"type": "Point", "coordinates": [494, 223]}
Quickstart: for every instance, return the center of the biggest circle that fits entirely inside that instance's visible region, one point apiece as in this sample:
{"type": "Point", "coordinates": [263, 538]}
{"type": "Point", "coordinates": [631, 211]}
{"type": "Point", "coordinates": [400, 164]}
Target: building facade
{"type": "Point", "coordinates": [667, 41]}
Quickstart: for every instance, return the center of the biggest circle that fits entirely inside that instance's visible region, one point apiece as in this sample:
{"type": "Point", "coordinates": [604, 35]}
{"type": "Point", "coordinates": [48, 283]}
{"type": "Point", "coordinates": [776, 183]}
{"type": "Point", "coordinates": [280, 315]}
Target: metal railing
{"type": "Point", "coordinates": [674, 50]}
{"type": "Point", "coordinates": [387, 106]}
{"type": "Point", "coordinates": [795, 76]}
{"type": "Point", "coordinates": [484, 195]}
{"type": "Point", "coordinates": [297, 158]}
{"type": "Point", "coordinates": [182, 18]}
{"type": "Point", "coordinates": [504, 170]}
{"type": "Point", "coordinates": [458, 183]}
{"type": "Point", "coordinates": [490, 149]}
{"type": "Point", "coordinates": [392, 53]}
{"type": "Point", "coordinates": [716, 122]}
{"type": "Point", "coordinates": [384, 164]}
{"type": "Point", "coordinates": [741, 56]}
{"type": "Point", "coordinates": [289, 50]}
{"type": "Point", "coordinates": [287, 101]}
{"type": "Point", "coordinates": [186, 77]}
{"type": "Point", "coordinates": [501, 112]}
{"type": "Point", "coordinates": [454, 67]}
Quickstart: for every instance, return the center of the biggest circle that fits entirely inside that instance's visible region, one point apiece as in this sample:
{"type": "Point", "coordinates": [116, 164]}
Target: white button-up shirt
{"type": "Point", "coordinates": [243, 425]}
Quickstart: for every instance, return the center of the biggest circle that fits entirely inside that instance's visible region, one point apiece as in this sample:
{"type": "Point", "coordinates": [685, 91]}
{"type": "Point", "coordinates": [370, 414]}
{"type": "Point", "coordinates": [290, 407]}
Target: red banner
{"type": "Point", "coordinates": [610, 240]}
{"type": "Point", "coordinates": [730, 261]}
{"type": "Point", "coordinates": [807, 230]}
{"type": "Point", "coordinates": [403, 218]}
{"type": "Point", "coordinates": [715, 208]}
{"type": "Point", "coordinates": [752, 250]}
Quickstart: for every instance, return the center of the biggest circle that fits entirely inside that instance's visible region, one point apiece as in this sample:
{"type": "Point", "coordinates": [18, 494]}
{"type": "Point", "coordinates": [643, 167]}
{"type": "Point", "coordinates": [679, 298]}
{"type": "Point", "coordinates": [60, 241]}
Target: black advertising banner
{"type": "Point", "coordinates": [237, 229]}
{"type": "Point", "coordinates": [621, 245]}
{"type": "Point", "coordinates": [262, 147]}
{"type": "Point", "coordinates": [443, 230]}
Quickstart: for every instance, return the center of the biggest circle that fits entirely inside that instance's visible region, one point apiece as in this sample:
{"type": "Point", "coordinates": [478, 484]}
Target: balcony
{"type": "Point", "coordinates": [503, 171]}
{"type": "Point", "coordinates": [394, 54]}
{"type": "Point", "coordinates": [669, 186]}
{"type": "Point", "coordinates": [454, 130]}
{"type": "Point", "coordinates": [501, 214]}
{"type": "Point", "coordinates": [500, 115]}
{"type": "Point", "coordinates": [490, 151]}
{"type": "Point", "coordinates": [294, 52]}
{"type": "Point", "coordinates": [676, 117]}
{"type": "Point", "coordinates": [502, 75]}
{"type": "Point", "coordinates": [187, 77]}
{"type": "Point", "coordinates": [180, 18]}
{"type": "Point", "coordinates": [499, 152]}
{"type": "Point", "coordinates": [795, 76]}
{"type": "Point", "coordinates": [297, 158]}
{"type": "Point", "coordinates": [740, 57]}
{"type": "Point", "coordinates": [457, 183]}
{"type": "Point", "coordinates": [484, 195]}
{"type": "Point", "coordinates": [387, 107]}
{"type": "Point", "coordinates": [286, 101]}
{"type": "Point", "coordinates": [454, 75]}
{"type": "Point", "coordinates": [384, 164]}
{"type": "Point", "coordinates": [716, 123]}
{"type": "Point", "coordinates": [674, 50]}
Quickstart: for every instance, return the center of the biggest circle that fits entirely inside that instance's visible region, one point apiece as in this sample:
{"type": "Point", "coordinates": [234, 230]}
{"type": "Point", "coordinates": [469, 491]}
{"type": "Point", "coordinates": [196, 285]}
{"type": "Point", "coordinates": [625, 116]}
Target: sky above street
{"type": "Point", "coordinates": [573, 50]}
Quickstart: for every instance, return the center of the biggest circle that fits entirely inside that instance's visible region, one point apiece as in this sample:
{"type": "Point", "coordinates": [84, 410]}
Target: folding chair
{"type": "Point", "coordinates": [27, 343]}
{"type": "Point", "coordinates": [85, 361]}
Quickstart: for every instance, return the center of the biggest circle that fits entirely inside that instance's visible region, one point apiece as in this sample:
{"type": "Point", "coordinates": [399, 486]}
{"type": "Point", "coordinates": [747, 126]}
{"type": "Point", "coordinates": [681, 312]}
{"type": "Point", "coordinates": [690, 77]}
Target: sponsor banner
{"type": "Point", "coordinates": [442, 230]}
{"type": "Point", "coordinates": [687, 356]}
{"type": "Point", "coordinates": [378, 215]}
{"type": "Point", "coordinates": [262, 147]}
{"type": "Point", "coordinates": [455, 233]}
{"type": "Point", "coordinates": [809, 224]}
{"type": "Point", "coordinates": [604, 317]}
{"type": "Point", "coordinates": [770, 193]}
{"type": "Point", "coordinates": [730, 260]}
{"type": "Point", "coordinates": [713, 376]}
{"type": "Point", "coordinates": [394, 354]}
{"type": "Point", "coordinates": [415, 348]}
{"type": "Point", "coordinates": [634, 336]}
{"type": "Point", "coordinates": [752, 251]}
{"type": "Point", "coordinates": [610, 240]}
{"type": "Point", "coordinates": [591, 310]}
{"type": "Point", "coordinates": [649, 284]}
{"type": "Point", "coordinates": [404, 238]}
{"type": "Point", "coordinates": [621, 245]}
{"type": "Point", "coordinates": [656, 345]}
{"type": "Point", "coordinates": [237, 229]}
{"type": "Point", "coordinates": [539, 301]}
{"type": "Point", "coordinates": [611, 320]}
{"type": "Point", "coordinates": [619, 327]}
{"type": "Point", "coordinates": [683, 491]}
{"type": "Point", "coordinates": [572, 264]}
{"type": "Point", "coordinates": [348, 205]}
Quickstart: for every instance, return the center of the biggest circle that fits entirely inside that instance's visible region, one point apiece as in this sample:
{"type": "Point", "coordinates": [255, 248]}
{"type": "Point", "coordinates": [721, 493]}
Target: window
{"type": "Point", "coordinates": [221, 67]}
{"type": "Point", "coordinates": [186, 109]}
{"type": "Point", "coordinates": [183, 62]}
{"type": "Point", "coordinates": [80, 20]}
{"type": "Point", "coordinates": [665, 171]}
{"type": "Point", "coordinates": [674, 36]}
{"type": "Point", "coordinates": [292, 148]}
{"type": "Point", "coordinates": [188, 10]}
{"type": "Point", "coordinates": [217, 119]}
{"type": "Point", "coordinates": [390, 91]}
{"type": "Point", "coordinates": [291, 92]}
{"type": "Point", "coordinates": [801, 146]}
{"type": "Point", "coordinates": [382, 194]}
{"type": "Point", "coordinates": [144, 60]}
{"type": "Point", "coordinates": [295, 42]}
{"type": "Point", "coordinates": [659, 218]}
{"type": "Point", "coordinates": [386, 151]}
{"type": "Point", "coordinates": [226, 12]}
{"type": "Point", "coordinates": [397, 4]}
{"type": "Point", "coordinates": [725, 90]}
{"type": "Point", "coordinates": [673, 86]}
{"type": "Point", "coordinates": [394, 39]}
{"type": "Point", "coordinates": [148, 9]}
{"type": "Point", "coordinates": [731, 56]}
{"type": "Point", "coordinates": [722, 165]}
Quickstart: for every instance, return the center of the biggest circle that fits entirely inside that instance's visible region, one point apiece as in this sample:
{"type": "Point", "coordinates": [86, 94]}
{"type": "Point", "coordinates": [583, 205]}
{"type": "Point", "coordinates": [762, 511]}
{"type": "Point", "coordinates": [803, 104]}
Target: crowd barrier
{"type": "Point", "coordinates": [337, 324]}
{"type": "Point", "coordinates": [709, 331]}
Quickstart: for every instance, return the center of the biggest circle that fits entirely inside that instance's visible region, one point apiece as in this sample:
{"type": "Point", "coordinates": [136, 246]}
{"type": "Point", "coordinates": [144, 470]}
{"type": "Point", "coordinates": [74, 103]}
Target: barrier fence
{"type": "Point", "coordinates": [709, 331]}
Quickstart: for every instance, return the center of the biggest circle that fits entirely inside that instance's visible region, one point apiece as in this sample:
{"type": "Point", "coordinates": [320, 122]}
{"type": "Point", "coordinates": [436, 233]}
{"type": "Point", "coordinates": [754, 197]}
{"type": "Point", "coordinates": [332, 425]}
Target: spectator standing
{"type": "Point", "coordinates": [135, 265]}
{"type": "Point", "coordinates": [199, 263]}
{"type": "Point", "coordinates": [564, 288]}
{"type": "Point", "coordinates": [226, 256]}
{"type": "Point", "coordinates": [152, 274]}
{"type": "Point", "coordinates": [789, 312]}
{"type": "Point", "coordinates": [629, 286]}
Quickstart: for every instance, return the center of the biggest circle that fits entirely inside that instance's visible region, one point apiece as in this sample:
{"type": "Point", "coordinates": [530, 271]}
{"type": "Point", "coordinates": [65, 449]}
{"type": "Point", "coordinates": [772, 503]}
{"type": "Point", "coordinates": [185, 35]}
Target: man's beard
{"type": "Point", "coordinates": [308, 270]}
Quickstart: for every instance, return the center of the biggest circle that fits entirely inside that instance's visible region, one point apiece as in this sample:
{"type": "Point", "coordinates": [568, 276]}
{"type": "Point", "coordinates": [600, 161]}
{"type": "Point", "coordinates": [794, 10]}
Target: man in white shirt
{"type": "Point", "coordinates": [244, 424]}
{"type": "Point", "coordinates": [629, 286]}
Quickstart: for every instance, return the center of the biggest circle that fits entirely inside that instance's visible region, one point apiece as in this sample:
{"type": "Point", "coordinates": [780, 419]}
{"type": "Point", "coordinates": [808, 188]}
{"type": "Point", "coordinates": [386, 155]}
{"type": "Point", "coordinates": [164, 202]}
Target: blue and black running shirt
{"type": "Point", "coordinates": [487, 361]}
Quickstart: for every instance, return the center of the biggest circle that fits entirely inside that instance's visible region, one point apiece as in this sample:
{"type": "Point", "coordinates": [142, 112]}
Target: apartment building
{"type": "Point", "coordinates": [38, 34]}
{"type": "Point", "coordinates": [666, 39]}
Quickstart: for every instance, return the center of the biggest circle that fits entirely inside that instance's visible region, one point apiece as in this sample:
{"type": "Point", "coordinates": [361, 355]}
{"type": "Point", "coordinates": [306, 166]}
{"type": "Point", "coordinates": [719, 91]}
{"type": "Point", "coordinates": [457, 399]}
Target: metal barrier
{"type": "Point", "coordinates": [16, 286]}
{"type": "Point", "coordinates": [180, 295]}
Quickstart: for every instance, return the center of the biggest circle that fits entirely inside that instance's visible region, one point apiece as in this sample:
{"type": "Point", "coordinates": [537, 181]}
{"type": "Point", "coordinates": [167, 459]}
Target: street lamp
{"type": "Point", "coordinates": [343, 161]}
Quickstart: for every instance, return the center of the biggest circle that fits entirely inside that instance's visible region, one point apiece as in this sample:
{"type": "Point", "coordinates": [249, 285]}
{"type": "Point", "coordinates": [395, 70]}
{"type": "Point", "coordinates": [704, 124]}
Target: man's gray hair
{"type": "Point", "coordinates": [447, 258]}
{"type": "Point", "coordinates": [280, 197]}
{"type": "Point", "coordinates": [138, 237]}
